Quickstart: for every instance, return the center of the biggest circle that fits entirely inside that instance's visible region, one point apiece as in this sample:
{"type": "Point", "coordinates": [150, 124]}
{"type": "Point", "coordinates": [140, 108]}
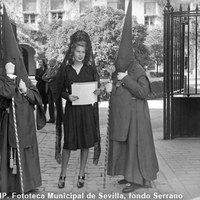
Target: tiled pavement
{"type": "Point", "coordinates": [178, 178]}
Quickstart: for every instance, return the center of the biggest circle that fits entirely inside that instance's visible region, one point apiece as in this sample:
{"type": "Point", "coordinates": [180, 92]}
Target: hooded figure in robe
{"type": "Point", "coordinates": [131, 146]}
{"type": "Point", "coordinates": [19, 99]}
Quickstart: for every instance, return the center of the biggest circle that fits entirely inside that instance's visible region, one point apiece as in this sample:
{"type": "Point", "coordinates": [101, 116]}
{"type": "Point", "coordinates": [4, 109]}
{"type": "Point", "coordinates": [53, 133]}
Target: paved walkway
{"type": "Point", "coordinates": [178, 178]}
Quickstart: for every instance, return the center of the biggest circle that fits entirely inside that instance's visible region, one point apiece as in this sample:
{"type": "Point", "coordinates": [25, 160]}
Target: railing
{"type": "Point", "coordinates": [181, 60]}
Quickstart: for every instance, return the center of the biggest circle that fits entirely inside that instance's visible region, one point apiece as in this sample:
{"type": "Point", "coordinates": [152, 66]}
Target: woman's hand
{"type": "Point", "coordinates": [97, 91]}
{"type": "Point", "coordinates": [109, 86]}
{"type": "Point", "coordinates": [22, 86]}
{"type": "Point", "coordinates": [121, 75]}
{"type": "Point", "coordinates": [73, 97]}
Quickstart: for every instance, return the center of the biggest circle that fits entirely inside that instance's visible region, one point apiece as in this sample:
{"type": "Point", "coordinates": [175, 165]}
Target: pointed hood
{"type": "Point", "coordinates": [125, 53]}
{"type": "Point", "coordinates": [11, 51]}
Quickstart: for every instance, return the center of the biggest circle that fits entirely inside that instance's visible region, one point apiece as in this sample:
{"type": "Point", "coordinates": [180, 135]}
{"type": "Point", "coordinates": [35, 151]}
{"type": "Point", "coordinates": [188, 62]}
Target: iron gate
{"type": "Point", "coordinates": [181, 72]}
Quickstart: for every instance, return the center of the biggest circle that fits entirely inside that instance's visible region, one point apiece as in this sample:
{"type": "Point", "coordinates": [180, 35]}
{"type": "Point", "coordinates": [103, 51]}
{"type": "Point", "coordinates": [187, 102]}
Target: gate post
{"type": "Point", "coordinates": [168, 10]}
{"type": "Point", "coordinates": [1, 10]}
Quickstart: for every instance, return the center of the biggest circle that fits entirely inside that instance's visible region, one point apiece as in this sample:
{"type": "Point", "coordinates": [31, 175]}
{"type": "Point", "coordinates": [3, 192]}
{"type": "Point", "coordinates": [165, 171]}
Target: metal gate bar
{"type": "Point", "coordinates": [181, 71]}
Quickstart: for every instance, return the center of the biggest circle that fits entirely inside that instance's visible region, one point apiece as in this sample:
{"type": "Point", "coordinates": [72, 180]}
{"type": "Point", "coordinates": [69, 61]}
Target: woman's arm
{"type": "Point", "coordinates": [65, 94]}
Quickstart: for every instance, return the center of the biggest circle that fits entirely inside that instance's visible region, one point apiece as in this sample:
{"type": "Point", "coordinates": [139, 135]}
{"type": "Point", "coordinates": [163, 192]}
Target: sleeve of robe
{"type": "Point", "coordinates": [139, 89]}
{"type": "Point", "coordinates": [7, 87]}
{"type": "Point", "coordinates": [34, 98]}
{"type": "Point", "coordinates": [24, 112]}
{"type": "Point", "coordinates": [7, 90]}
{"type": "Point", "coordinates": [30, 96]}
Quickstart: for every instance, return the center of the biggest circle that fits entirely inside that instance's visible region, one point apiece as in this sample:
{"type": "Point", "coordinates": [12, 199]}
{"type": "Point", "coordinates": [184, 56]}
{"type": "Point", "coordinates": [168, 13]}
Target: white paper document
{"type": "Point", "coordinates": [85, 93]}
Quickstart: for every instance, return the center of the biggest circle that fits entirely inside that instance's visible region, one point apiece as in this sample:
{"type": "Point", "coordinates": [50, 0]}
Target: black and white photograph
{"type": "Point", "coordinates": [100, 99]}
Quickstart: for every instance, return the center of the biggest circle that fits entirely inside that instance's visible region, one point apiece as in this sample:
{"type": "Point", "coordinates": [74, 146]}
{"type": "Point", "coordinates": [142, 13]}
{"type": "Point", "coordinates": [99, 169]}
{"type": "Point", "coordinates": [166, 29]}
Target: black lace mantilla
{"type": "Point", "coordinates": [80, 35]}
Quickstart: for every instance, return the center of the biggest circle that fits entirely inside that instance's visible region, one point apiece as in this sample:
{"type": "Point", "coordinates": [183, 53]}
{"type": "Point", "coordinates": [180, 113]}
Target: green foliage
{"type": "Point", "coordinates": [154, 42]}
{"type": "Point", "coordinates": [156, 90]}
{"type": "Point", "coordinates": [36, 39]}
{"type": "Point", "coordinates": [104, 25]}
{"type": "Point", "coordinates": [141, 51]}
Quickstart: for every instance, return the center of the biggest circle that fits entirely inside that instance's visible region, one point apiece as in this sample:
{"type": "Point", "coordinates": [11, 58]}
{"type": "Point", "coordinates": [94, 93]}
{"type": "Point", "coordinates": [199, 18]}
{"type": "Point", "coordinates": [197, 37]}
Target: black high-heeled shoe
{"type": "Point", "coordinates": [80, 182]}
{"type": "Point", "coordinates": [61, 182]}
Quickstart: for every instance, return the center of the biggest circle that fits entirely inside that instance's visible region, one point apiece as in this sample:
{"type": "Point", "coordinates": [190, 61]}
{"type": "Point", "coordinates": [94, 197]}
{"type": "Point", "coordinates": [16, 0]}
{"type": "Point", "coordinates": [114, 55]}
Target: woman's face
{"type": "Point", "coordinates": [79, 54]}
{"type": "Point", "coordinates": [40, 63]}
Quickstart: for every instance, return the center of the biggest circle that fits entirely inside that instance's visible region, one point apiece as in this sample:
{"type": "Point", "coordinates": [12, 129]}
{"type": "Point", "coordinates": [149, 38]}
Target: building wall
{"type": "Point", "coordinates": [99, 3]}
{"type": "Point", "coordinates": [70, 10]}
{"type": "Point", "coordinates": [138, 10]}
{"type": "Point", "coordinates": [30, 59]}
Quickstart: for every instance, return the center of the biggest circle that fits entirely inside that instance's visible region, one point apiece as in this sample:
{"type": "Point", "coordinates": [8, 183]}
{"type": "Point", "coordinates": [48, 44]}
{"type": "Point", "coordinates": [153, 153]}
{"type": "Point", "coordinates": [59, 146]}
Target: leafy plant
{"type": "Point", "coordinates": [104, 26]}
{"type": "Point", "coordinates": [154, 42]}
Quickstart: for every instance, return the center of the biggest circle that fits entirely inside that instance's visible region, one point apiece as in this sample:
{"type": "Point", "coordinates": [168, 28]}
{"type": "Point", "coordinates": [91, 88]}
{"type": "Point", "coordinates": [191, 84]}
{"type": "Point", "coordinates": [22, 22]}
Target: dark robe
{"type": "Point", "coordinates": [131, 146]}
{"type": "Point", "coordinates": [41, 85]}
{"type": "Point", "coordinates": [24, 110]}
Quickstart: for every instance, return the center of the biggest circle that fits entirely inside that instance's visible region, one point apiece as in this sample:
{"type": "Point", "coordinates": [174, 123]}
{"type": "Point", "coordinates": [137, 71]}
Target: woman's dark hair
{"type": "Point", "coordinates": [71, 53]}
{"type": "Point", "coordinates": [44, 64]}
{"type": "Point", "coordinates": [79, 36]}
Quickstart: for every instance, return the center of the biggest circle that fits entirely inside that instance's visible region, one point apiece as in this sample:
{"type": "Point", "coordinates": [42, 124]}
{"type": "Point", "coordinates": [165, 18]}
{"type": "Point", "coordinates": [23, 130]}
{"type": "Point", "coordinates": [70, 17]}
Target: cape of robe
{"type": "Point", "coordinates": [24, 109]}
{"type": "Point", "coordinates": [129, 119]}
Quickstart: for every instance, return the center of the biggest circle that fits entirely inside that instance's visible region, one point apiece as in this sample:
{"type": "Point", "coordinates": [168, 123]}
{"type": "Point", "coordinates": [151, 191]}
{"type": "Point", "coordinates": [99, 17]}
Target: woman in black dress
{"type": "Point", "coordinates": [80, 127]}
{"type": "Point", "coordinates": [41, 85]}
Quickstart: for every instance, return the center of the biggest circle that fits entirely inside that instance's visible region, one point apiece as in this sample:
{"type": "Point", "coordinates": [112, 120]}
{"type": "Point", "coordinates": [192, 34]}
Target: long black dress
{"type": "Point", "coordinates": [79, 120]}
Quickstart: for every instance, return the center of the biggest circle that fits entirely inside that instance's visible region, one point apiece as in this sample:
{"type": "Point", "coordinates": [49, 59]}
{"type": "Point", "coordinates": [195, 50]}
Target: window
{"type": "Point", "coordinates": [32, 19]}
{"type": "Point", "coordinates": [150, 13]}
{"type": "Point", "coordinates": [29, 10]}
{"type": "Point", "coordinates": [149, 8]}
{"type": "Point", "coordinates": [57, 4]}
{"type": "Point", "coordinates": [29, 18]}
{"type": "Point", "coordinates": [116, 4]}
{"type": "Point", "coordinates": [149, 20]}
{"type": "Point", "coordinates": [56, 15]}
{"type": "Point", "coordinates": [56, 9]}
{"type": "Point", "coordinates": [85, 5]}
